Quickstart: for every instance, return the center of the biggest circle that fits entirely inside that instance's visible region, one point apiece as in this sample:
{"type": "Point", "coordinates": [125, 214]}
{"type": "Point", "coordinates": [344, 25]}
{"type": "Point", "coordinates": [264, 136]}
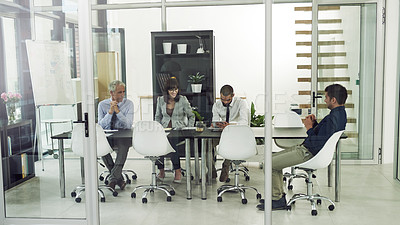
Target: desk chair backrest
{"type": "Point", "coordinates": [78, 134]}
{"type": "Point", "coordinates": [325, 155]}
{"type": "Point", "coordinates": [287, 120]}
{"type": "Point", "coordinates": [237, 142]}
{"type": "Point", "coordinates": [150, 139]}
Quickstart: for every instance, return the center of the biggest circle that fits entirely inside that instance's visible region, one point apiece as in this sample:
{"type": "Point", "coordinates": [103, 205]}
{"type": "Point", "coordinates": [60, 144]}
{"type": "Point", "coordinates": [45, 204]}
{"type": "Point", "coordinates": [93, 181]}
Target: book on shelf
{"type": "Point", "coordinates": [9, 148]}
{"type": "Point", "coordinates": [24, 165]}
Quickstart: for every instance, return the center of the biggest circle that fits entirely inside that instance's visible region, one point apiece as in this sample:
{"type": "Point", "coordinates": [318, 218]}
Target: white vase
{"type": "Point", "coordinates": [196, 88]}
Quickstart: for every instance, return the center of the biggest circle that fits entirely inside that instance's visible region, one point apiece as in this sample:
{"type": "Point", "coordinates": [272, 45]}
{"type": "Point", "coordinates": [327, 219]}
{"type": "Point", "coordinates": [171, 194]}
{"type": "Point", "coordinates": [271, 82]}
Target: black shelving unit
{"type": "Point", "coordinates": [183, 65]}
{"type": "Point", "coordinates": [17, 152]}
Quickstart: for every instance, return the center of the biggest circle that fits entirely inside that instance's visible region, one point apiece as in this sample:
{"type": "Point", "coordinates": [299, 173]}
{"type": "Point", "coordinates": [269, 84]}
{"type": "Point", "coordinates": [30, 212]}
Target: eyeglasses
{"type": "Point", "coordinates": [173, 89]}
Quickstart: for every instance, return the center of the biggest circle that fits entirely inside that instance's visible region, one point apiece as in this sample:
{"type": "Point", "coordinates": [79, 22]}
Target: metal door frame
{"type": "Point", "coordinates": [379, 67]}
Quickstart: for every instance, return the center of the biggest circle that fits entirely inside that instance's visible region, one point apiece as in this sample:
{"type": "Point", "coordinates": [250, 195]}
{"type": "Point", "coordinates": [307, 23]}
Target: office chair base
{"type": "Point", "coordinates": [154, 186]}
{"type": "Point", "coordinates": [106, 174]}
{"type": "Point", "coordinates": [78, 191]}
{"type": "Point", "coordinates": [289, 177]}
{"type": "Point", "coordinates": [236, 187]}
{"type": "Point", "coordinates": [313, 198]}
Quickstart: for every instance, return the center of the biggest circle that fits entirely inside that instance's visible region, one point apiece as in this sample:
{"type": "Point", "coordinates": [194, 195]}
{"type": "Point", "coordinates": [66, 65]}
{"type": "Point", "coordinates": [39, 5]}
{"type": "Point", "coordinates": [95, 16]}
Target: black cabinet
{"type": "Point", "coordinates": [17, 152]}
{"type": "Point", "coordinates": [198, 58]}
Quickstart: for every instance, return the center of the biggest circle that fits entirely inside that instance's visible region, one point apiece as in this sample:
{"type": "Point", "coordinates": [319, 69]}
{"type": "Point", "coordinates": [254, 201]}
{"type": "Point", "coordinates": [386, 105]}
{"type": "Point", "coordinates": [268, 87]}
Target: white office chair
{"type": "Point", "coordinates": [150, 140]}
{"type": "Point", "coordinates": [237, 143]}
{"type": "Point", "coordinates": [103, 148]}
{"type": "Point", "coordinates": [289, 120]}
{"type": "Point", "coordinates": [321, 160]}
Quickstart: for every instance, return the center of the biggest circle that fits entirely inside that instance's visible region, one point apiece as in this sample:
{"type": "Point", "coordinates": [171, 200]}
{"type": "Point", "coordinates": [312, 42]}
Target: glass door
{"type": "Point", "coordinates": [347, 49]}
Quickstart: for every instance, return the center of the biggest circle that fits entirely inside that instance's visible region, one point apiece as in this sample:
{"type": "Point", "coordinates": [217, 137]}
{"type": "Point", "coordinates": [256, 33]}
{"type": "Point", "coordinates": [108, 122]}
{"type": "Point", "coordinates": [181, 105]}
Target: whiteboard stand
{"type": "Point", "coordinates": [38, 137]}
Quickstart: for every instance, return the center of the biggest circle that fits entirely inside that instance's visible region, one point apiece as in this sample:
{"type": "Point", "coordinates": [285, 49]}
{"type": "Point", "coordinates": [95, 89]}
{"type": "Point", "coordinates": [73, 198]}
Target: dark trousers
{"type": "Point", "coordinates": [115, 168]}
{"type": "Point", "coordinates": [173, 155]}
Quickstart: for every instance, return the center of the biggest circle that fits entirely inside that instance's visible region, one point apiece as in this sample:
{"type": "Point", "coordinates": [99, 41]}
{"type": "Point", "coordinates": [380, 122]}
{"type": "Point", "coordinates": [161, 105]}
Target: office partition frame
{"type": "Point", "coordinates": [85, 8]}
{"type": "Point", "coordinates": [379, 67]}
{"type": "Point", "coordinates": [396, 158]}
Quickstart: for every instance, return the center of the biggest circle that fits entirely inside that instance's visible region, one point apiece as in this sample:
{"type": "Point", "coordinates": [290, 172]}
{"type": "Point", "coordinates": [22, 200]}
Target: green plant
{"type": "Point", "coordinates": [256, 120]}
{"type": "Point", "coordinates": [198, 116]}
{"type": "Point", "coordinates": [197, 78]}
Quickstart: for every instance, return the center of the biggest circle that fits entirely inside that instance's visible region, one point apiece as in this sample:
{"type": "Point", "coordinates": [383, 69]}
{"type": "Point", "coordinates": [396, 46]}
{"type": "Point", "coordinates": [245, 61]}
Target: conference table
{"type": "Point", "coordinates": [205, 138]}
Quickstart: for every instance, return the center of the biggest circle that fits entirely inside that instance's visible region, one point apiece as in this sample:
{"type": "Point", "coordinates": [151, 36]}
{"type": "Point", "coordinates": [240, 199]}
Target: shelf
{"type": "Point", "coordinates": [184, 55]}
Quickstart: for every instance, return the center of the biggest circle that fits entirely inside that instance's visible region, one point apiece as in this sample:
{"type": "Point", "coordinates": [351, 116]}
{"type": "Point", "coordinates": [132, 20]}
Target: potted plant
{"type": "Point", "coordinates": [257, 121]}
{"type": "Point", "coordinates": [196, 80]}
{"type": "Point", "coordinates": [199, 123]}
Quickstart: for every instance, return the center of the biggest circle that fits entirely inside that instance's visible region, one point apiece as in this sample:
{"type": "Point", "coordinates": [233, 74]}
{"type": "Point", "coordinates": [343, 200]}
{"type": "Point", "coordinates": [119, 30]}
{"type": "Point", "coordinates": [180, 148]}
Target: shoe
{"type": "Point", "coordinates": [160, 178]}
{"type": "Point", "coordinates": [112, 185]}
{"type": "Point", "coordinates": [279, 204]}
{"type": "Point", "coordinates": [224, 174]}
{"type": "Point", "coordinates": [121, 184]}
{"type": "Point", "coordinates": [178, 180]}
{"type": "Point", "coordinates": [260, 206]}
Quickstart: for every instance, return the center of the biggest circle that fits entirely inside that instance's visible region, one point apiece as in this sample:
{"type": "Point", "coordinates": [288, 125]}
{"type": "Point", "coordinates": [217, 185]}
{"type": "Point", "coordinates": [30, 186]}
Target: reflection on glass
{"type": "Point", "coordinates": [346, 55]}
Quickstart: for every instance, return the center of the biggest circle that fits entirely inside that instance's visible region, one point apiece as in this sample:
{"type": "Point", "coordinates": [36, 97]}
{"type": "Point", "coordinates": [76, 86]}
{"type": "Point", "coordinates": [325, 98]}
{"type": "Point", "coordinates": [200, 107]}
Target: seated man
{"type": "Point", "coordinates": [226, 110]}
{"type": "Point", "coordinates": [116, 113]}
{"type": "Point", "coordinates": [318, 134]}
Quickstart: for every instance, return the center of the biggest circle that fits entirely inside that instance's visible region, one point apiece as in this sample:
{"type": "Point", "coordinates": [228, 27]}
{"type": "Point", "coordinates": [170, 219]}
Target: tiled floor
{"type": "Point", "coordinates": [369, 196]}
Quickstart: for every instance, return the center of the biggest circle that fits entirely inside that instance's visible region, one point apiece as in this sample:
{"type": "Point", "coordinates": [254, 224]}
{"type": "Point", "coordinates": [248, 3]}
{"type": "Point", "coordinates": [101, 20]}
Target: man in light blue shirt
{"type": "Point", "coordinates": [116, 113]}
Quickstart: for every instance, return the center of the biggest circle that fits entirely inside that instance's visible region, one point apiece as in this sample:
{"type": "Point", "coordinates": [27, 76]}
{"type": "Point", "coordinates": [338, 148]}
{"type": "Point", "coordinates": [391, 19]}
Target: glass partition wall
{"type": "Point", "coordinates": [122, 38]}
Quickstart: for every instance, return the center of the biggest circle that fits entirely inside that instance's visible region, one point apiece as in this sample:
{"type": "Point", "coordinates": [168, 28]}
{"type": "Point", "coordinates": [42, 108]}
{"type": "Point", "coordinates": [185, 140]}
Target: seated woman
{"type": "Point", "coordinates": [172, 111]}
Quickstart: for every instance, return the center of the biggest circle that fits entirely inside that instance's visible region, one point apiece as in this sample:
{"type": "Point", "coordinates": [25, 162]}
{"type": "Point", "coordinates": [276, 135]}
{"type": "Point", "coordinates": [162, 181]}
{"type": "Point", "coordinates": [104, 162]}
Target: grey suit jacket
{"type": "Point", "coordinates": [181, 111]}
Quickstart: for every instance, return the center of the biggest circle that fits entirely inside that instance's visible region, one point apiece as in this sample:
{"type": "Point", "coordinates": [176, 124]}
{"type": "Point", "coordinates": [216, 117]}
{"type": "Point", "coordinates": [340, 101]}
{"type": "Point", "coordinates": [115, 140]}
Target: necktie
{"type": "Point", "coordinates": [227, 113]}
{"type": "Point", "coordinates": [113, 121]}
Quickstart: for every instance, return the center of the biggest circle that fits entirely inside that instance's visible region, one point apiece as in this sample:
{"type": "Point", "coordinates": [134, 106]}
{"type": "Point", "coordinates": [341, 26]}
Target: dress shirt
{"type": "Point", "coordinates": [124, 117]}
{"type": "Point", "coordinates": [320, 133]}
{"type": "Point", "coordinates": [182, 110]}
{"type": "Point", "coordinates": [238, 111]}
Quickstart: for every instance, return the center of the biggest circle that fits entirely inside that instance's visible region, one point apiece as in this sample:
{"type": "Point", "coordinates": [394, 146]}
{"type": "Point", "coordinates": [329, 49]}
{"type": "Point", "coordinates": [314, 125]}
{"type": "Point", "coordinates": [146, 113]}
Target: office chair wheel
{"type": "Point", "coordinates": [151, 191]}
{"type": "Point", "coordinates": [284, 179]}
{"type": "Point", "coordinates": [78, 199]}
{"type": "Point", "coordinates": [115, 194]}
{"type": "Point", "coordinates": [319, 201]}
{"type": "Point", "coordinates": [247, 178]}
{"type": "Point", "coordinates": [55, 156]}
{"type": "Point", "coordinates": [244, 201]}
{"type": "Point", "coordinates": [106, 182]}
{"type": "Point", "coordinates": [314, 176]}
{"type": "Point", "coordinates": [258, 196]}
{"type": "Point", "coordinates": [144, 200]}
{"type": "Point", "coordinates": [219, 199]}
{"type": "Point", "coordinates": [73, 194]}
{"type": "Point", "coordinates": [169, 198]}
{"type": "Point", "coordinates": [101, 178]}
{"type": "Point", "coordinates": [128, 181]}
{"type": "Point", "coordinates": [133, 195]}
{"type": "Point", "coordinates": [172, 192]}
{"type": "Point", "coordinates": [228, 180]}
{"type": "Point", "coordinates": [314, 212]}
{"type": "Point", "coordinates": [331, 207]}
{"type": "Point", "coordinates": [134, 177]}
{"type": "Point", "coordinates": [103, 199]}
{"type": "Point", "coordinates": [191, 177]}
{"type": "Point", "coordinates": [290, 187]}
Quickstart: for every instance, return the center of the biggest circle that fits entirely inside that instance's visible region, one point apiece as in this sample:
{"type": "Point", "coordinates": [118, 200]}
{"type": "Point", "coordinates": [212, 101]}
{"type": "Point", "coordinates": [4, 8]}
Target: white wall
{"type": "Point", "coordinates": [391, 53]}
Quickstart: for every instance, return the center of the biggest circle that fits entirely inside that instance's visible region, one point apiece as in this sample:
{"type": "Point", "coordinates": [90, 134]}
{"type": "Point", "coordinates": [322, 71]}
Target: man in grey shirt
{"type": "Point", "coordinates": [228, 110]}
{"type": "Point", "coordinates": [116, 113]}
